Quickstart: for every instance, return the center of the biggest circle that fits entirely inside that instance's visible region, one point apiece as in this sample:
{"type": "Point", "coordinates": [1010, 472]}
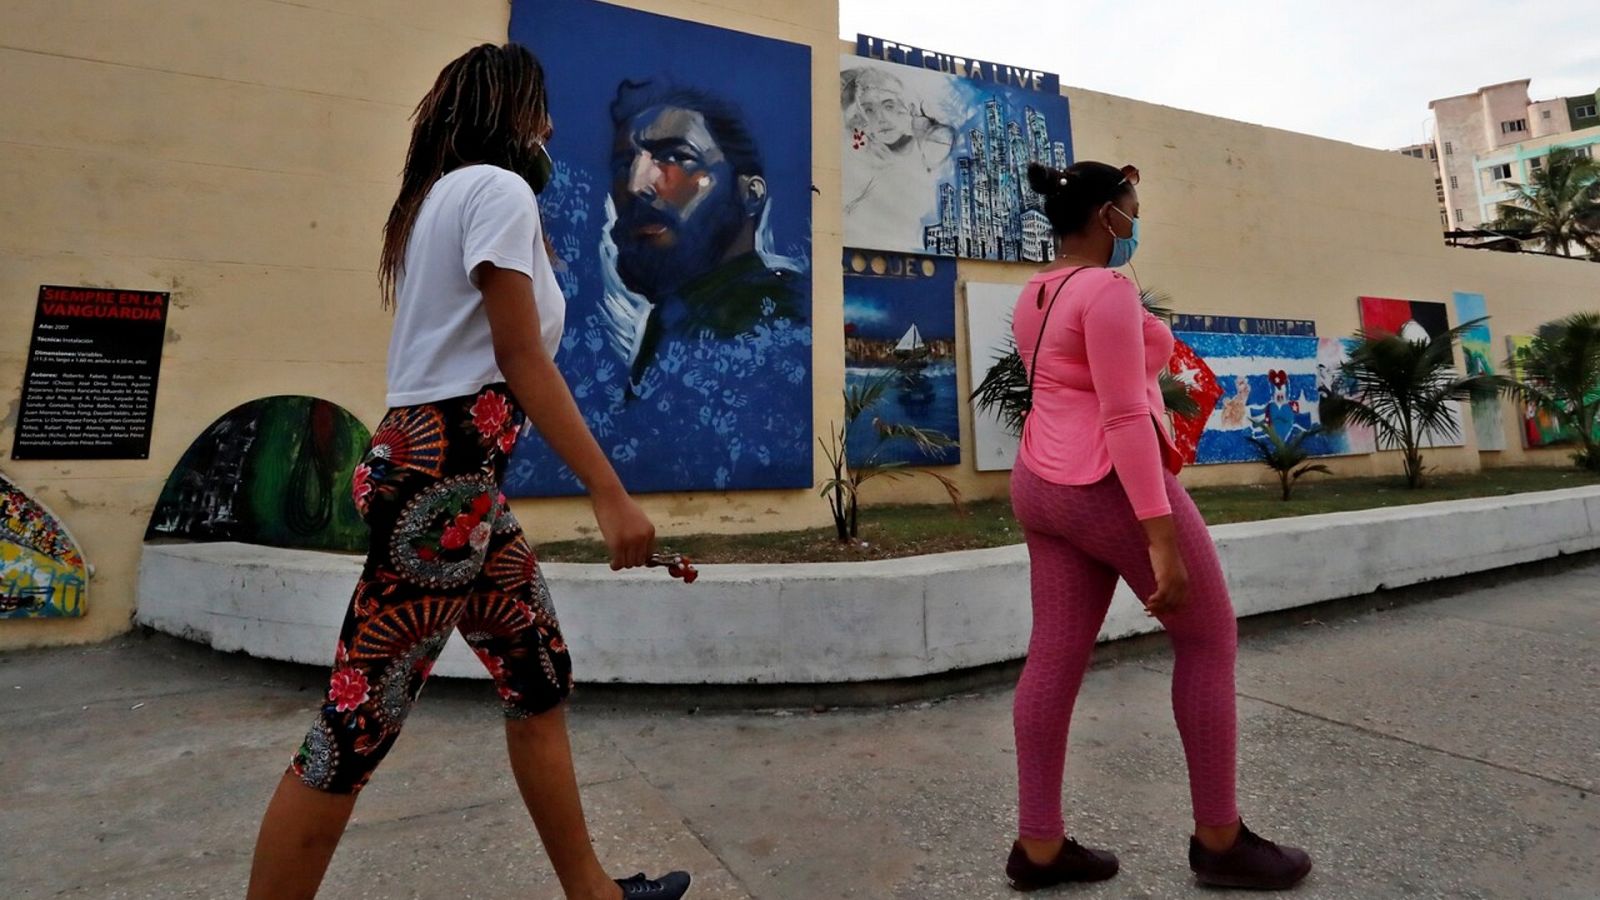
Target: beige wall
{"type": "Point", "coordinates": [1559, 121]}
{"type": "Point", "coordinates": [242, 154]}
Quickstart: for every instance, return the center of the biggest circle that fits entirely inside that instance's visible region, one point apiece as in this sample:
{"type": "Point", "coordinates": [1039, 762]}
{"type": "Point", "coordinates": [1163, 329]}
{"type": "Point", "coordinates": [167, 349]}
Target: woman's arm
{"type": "Point", "coordinates": [1113, 332]}
{"type": "Point", "coordinates": [545, 397]}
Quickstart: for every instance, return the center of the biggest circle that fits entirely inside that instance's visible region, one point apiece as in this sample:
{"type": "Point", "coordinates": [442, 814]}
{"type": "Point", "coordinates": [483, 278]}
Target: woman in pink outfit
{"type": "Point", "coordinates": [1096, 491]}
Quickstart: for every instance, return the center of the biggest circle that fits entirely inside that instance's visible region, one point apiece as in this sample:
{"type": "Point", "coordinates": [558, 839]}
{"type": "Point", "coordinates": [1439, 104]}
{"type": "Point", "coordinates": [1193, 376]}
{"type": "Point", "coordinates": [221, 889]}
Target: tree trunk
{"type": "Point", "coordinates": [841, 527]}
{"type": "Point", "coordinates": [1413, 469]}
{"type": "Point", "coordinates": [1284, 478]}
{"type": "Point", "coordinates": [855, 519]}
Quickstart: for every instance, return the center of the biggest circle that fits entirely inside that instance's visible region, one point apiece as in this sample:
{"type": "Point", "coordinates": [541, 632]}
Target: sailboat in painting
{"type": "Point", "coordinates": [912, 349]}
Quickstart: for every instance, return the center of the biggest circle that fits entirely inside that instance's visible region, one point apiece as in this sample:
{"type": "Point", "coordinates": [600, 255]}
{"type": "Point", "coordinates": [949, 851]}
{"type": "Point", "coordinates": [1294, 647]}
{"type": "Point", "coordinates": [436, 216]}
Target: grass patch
{"type": "Point", "coordinates": [894, 531]}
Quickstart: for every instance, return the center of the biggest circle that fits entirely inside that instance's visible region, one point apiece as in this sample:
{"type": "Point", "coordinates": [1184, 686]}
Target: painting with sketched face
{"type": "Point", "coordinates": [936, 163]}
{"type": "Point", "coordinates": [680, 216]}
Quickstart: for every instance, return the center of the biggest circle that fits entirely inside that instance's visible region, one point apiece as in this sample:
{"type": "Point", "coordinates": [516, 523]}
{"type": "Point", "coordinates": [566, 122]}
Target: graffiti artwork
{"type": "Point", "coordinates": [274, 471]}
{"type": "Point", "coordinates": [42, 572]}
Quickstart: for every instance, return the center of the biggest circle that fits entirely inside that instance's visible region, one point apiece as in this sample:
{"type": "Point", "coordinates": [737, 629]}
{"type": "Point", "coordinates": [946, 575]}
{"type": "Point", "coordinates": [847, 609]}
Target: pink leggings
{"type": "Point", "coordinates": [1080, 539]}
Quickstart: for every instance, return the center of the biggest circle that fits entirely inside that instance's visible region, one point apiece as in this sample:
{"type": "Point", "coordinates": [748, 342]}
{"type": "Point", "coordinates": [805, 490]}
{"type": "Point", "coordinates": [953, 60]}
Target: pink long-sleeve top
{"type": "Point", "coordinates": [1097, 402]}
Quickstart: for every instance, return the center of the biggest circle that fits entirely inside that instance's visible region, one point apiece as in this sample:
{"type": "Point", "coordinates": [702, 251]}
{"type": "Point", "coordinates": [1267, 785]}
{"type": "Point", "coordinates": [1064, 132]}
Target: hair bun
{"type": "Point", "coordinates": [1047, 181]}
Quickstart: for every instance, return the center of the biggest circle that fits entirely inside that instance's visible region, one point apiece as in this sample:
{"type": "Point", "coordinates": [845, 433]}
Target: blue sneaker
{"type": "Point", "coordinates": [670, 886]}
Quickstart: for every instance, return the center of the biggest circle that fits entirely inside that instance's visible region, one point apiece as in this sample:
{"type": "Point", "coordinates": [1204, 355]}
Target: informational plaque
{"type": "Point", "coordinates": [90, 387]}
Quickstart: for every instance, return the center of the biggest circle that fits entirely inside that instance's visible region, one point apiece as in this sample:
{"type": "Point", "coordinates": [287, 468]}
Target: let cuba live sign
{"type": "Point", "coordinates": [93, 364]}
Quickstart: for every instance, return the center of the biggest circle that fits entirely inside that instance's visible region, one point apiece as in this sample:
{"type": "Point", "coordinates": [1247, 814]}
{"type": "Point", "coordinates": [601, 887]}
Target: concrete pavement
{"type": "Point", "coordinates": [1449, 748]}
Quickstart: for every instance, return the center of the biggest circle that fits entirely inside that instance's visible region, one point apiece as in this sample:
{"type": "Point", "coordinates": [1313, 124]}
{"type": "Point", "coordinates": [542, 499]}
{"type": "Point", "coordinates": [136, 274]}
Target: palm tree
{"type": "Point", "coordinates": [843, 490]}
{"type": "Point", "coordinates": [1004, 388]}
{"type": "Point", "coordinates": [1560, 372]}
{"type": "Point", "coordinates": [1285, 456]}
{"type": "Point", "coordinates": [1560, 207]}
{"type": "Point", "coordinates": [1407, 391]}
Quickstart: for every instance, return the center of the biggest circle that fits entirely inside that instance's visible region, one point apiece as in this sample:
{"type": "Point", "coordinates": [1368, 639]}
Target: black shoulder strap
{"type": "Point", "coordinates": [1033, 367]}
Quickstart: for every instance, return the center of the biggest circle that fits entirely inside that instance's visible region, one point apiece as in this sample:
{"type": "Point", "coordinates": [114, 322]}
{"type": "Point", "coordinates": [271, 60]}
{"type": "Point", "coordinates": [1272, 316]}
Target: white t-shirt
{"type": "Point", "coordinates": [441, 346]}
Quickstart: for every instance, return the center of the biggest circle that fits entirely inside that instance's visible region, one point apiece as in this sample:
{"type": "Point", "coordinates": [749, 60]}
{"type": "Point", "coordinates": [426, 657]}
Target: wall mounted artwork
{"type": "Point", "coordinates": [274, 471]}
{"type": "Point", "coordinates": [1352, 439]}
{"type": "Point", "coordinates": [936, 153]}
{"type": "Point", "coordinates": [1539, 428]}
{"type": "Point", "coordinates": [1204, 390]}
{"type": "Point", "coordinates": [42, 571]}
{"type": "Point", "coordinates": [1415, 320]}
{"type": "Point", "coordinates": [989, 339]}
{"type": "Point", "coordinates": [680, 212]}
{"type": "Point", "coordinates": [1478, 349]}
{"type": "Point", "coordinates": [1267, 370]}
{"type": "Point", "coordinates": [900, 335]}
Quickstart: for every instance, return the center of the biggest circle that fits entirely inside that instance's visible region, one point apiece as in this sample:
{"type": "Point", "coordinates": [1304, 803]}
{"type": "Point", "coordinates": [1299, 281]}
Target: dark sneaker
{"type": "Point", "coordinates": [1253, 862]}
{"type": "Point", "coordinates": [1075, 862]}
{"type": "Point", "coordinates": [670, 886]}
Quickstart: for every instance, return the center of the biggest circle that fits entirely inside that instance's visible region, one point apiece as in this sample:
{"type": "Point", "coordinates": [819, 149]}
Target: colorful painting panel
{"type": "Point", "coordinates": [1539, 428]}
{"type": "Point", "coordinates": [274, 471]}
{"type": "Point", "coordinates": [680, 210]}
{"type": "Point", "coordinates": [900, 333]}
{"type": "Point", "coordinates": [1267, 372]}
{"type": "Point", "coordinates": [1204, 390]}
{"type": "Point", "coordinates": [989, 339]}
{"type": "Point", "coordinates": [937, 163]}
{"type": "Point", "coordinates": [1352, 439]}
{"type": "Point", "coordinates": [1414, 320]}
{"type": "Point", "coordinates": [42, 572]}
{"type": "Point", "coordinates": [1476, 346]}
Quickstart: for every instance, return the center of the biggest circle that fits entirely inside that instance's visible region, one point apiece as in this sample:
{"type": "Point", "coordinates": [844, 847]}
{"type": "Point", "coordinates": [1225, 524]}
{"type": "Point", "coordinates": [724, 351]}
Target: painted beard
{"type": "Point", "coordinates": [657, 252]}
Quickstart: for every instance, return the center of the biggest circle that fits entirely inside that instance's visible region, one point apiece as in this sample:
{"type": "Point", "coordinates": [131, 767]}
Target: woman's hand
{"type": "Point", "coordinates": [542, 391]}
{"type": "Point", "coordinates": [1166, 560]}
{"type": "Point", "coordinates": [627, 531]}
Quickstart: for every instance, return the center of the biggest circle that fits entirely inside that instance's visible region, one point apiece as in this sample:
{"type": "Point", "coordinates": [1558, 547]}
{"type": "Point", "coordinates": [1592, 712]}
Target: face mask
{"type": "Point", "coordinates": [1122, 247]}
{"type": "Point", "coordinates": [541, 169]}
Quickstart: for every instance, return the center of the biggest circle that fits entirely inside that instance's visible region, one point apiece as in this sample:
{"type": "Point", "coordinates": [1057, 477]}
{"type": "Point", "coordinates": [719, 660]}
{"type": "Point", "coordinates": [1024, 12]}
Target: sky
{"type": "Point", "coordinates": [1360, 71]}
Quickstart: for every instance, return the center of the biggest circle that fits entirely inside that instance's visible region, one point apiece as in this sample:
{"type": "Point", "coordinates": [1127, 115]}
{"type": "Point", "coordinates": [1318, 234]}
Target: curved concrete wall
{"type": "Point", "coordinates": [843, 622]}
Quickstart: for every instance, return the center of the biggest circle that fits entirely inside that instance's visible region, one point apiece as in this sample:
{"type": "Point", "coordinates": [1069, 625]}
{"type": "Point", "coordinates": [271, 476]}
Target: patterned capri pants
{"type": "Point", "coordinates": [446, 554]}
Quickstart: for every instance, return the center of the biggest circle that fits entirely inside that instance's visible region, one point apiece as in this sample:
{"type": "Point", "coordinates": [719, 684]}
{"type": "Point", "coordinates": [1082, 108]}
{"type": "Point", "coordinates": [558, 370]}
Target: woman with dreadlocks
{"type": "Point", "coordinates": [478, 320]}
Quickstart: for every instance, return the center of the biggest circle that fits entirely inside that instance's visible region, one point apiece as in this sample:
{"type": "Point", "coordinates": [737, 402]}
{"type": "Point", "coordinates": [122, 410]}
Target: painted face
{"type": "Point", "coordinates": [677, 199]}
{"type": "Point", "coordinates": [885, 116]}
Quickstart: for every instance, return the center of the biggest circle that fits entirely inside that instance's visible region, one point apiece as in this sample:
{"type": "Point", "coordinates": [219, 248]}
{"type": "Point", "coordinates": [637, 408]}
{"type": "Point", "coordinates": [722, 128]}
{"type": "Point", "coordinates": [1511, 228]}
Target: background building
{"type": "Point", "coordinates": [1430, 153]}
{"type": "Point", "coordinates": [1494, 135]}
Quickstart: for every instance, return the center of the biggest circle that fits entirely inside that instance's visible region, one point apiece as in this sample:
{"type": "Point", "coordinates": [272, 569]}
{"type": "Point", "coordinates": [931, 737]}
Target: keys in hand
{"type": "Point", "coordinates": [676, 564]}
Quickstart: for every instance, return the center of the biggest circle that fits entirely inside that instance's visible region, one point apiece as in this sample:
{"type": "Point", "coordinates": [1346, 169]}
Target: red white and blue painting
{"type": "Point", "coordinates": [1268, 370]}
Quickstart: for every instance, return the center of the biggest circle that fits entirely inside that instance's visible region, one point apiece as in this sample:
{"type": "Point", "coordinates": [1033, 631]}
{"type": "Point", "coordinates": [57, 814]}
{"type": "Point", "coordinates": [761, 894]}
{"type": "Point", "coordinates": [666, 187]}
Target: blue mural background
{"type": "Point", "coordinates": [879, 310]}
{"type": "Point", "coordinates": [723, 412]}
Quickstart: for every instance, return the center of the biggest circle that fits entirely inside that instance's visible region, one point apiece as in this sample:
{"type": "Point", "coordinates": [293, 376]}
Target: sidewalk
{"type": "Point", "coordinates": [1446, 749]}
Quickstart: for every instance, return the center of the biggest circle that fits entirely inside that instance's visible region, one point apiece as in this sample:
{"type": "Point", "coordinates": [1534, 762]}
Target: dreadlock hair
{"type": "Point", "coordinates": [487, 106]}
